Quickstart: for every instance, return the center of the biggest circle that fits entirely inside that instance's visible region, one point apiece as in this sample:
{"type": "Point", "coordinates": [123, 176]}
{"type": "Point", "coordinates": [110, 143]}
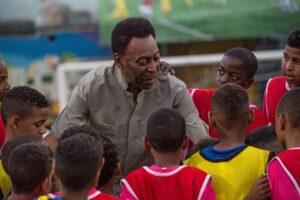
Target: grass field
{"type": "Point", "coordinates": [208, 19]}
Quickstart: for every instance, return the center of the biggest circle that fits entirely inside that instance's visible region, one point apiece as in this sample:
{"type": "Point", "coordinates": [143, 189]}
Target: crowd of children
{"type": "Point", "coordinates": [246, 158]}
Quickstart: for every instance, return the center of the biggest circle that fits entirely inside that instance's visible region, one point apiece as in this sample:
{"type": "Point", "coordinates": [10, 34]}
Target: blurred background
{"type": "Point", "coordinates": [50, 44]}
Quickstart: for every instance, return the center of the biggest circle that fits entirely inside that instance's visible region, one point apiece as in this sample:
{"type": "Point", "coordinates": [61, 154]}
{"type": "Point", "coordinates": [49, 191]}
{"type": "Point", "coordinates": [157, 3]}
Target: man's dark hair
{"type": "Point", "coordinates": [294, 39]}
{"type": "Point", "coordinates": [166, 130]}
{"type": "Point", "coordinates": [13, 144]}
{"type": "Point", "coordinates": [290, 107]}
{"type": "Point", "coordinates": [231, 101]}
{"type": "Point", "coordinates": [111, 161]}
{"type": "Point", "coordinates": [247, 57]}
{"type": "Point", "coordinates": [28, 165]}
{"type": "Point", "coordinates": [264, 138]}
{"type": "Point", "coordinates": [77, 160]}
{"type": "Point", "coordinates": [127, 29]}
{"type": "Point", "coordinates": [20, 101]}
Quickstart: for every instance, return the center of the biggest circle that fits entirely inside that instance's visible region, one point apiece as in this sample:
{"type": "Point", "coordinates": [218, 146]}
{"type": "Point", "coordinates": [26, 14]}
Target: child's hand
{"type": "Point", "coordinates": [260, 189]}
{"type": "Point", "coordinates": [165, 68]}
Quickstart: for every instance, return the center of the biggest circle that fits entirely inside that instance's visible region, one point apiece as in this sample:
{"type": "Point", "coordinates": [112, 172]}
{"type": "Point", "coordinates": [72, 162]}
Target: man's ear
{"type": "Point", "coordinates": [250, 116]}
{"type": "Point", "coordinates": [118, 60]}
{"type": "Point", "coordinates": [147, 143]}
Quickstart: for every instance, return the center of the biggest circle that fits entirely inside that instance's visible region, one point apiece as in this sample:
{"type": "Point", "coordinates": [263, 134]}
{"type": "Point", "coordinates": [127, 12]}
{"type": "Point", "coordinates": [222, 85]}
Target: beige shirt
{"type": "Point", "coordinates": [101, 100]}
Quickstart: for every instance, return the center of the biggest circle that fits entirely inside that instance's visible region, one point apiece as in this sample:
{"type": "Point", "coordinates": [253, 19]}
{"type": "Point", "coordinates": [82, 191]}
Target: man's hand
{"type": "Point", "coordinates": [260, 189]}
{"type": "Point", "coordinates": [165, 68]}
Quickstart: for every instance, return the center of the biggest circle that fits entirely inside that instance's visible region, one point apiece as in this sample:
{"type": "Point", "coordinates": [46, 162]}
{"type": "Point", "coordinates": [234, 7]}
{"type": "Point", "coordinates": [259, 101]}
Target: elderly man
{"type": "Point", "coordinates": [118, 100]}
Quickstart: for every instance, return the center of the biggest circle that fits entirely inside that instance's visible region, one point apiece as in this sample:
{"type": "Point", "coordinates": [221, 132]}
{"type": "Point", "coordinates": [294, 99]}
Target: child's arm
{"type": "Point", "coordinates": [260, 189]}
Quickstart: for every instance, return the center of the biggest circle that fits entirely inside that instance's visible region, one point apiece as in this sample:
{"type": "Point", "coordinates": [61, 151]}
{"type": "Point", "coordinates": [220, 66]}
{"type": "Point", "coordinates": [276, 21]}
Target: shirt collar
{"type": "Point", "coordinates": [120, 78]}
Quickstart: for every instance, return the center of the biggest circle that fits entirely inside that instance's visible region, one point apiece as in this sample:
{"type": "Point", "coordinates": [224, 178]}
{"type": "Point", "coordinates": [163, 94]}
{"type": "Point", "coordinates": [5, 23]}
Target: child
{"type": "Point", "coordinates": [5, 183]}
{"type": "Point", "coordinates": [233, 165]}
{"type": "Point", "coordinates": [165, 138]}
{"type": "Point", "coordinates": [238, 66]}
{"type": "Point", "coordinates": [4, 87]}
{"type": "Point", "coordinates": [284, 169]}
{"type": "Point", "coordinates": [265, 138]}
{"type": "Point", "coordinates": [111, 167]}
{"type": "Point", "coordinates": [30, 167]}
{"type": "Point", "coordinates": [25, 111]}
{"type": "Point", "coordinates": [278, 86]}
{"type": "Point", "coordinates": [78, 162]}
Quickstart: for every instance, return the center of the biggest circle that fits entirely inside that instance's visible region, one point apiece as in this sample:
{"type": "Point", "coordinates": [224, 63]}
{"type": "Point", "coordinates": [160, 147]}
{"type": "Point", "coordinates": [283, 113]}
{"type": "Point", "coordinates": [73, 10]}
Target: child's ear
{"type": "Point", "coordinates": [185, 142]}
{"type": "Point", "coordinates": [117, 170]}
{"type": "Point", "coordinates": [282, 121]}
{"type": "Point", "coordinates": [147, 143]}
{"type": "Point", "coordinates": [250, 116]}
{"type": "Point", "coordinates": [14, 122]}
{"type": "Point", "coordinates": [46, 186]}
{"type": "Point", "coordinates": [211, 119]}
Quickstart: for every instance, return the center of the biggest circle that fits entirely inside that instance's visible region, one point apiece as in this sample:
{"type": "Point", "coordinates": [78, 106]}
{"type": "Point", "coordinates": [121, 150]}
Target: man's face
{"type": "Point", "coordinates": [231, 70]}
{"type": "Point", "coordinates": [290, 65]}
{"type": "Point", "coordinates": [140, 62]}
{"type": "Point", "coordinates": [4, 85]}
{"type": "Point", "coordinates": [35, 122]}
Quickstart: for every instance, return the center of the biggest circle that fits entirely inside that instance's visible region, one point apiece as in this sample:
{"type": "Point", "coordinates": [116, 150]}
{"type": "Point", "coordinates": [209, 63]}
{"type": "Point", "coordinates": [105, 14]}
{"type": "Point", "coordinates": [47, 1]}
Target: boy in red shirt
{"type": "Point", "coordinates": [278, 86]}
{"type": "Point", "coordinates": [165, 138]}
{"type": "Point", "coordinates": [284, 169]}
{"type": "Point", "coordinates": [238, 66]}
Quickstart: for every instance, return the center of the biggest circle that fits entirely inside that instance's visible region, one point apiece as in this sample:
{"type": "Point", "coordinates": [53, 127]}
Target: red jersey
{"type": "Point", "coordinates": [275, 89]}
{"type": "Point", "coordinates": [181, 183]}
{"type": "Point", "coordinates": [290, 161]}
{"type": "Point", "coordinates": [202, 101]}
{"type": "Point", "coordinates": [2, 131]}
{"type": "Point", "coordinates": [101, 196]}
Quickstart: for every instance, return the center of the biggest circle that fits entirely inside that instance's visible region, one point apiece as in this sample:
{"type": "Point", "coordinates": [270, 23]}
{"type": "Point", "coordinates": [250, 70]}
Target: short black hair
{"type": "Point", "coordinates": [28, 165]}
{"type": "Point", "coordinates": [127, 29]}
{"type": "Point", "coordinates": [110, 154]}
{"type": "Point", "coordinates": [78, 129]}
{"type": "Point", "coordinates": [166, 130]}
{"type": "Point", "coordinates": [247, 57]}
{"type": "Point", "coordinates": [264, 138]}
{"type": "Point", "coordinates": [289, 106]}
{"type": "Point", "coordinates": [294, 39]}
{"type": "Point", "coordinates": [231, 101]}
{"type": "Point", "coordinates": [77, 160]}
{"type": "Point", "coordinates": [111, 161]}
{"type": "Point", "coordinates": [20, 101]}
{"type": "Point", "coordinates": [11, 145]}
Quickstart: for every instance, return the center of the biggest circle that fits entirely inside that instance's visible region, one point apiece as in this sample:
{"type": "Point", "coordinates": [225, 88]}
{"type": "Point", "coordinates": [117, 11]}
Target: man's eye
{"type": "Point", "coordinates": [142, 62]}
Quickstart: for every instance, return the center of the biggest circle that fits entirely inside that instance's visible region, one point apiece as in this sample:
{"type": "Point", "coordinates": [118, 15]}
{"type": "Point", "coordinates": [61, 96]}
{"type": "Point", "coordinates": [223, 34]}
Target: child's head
{"type": "Point", "coordinates": [4, 84]}
{"type": "Point", "coordinates": [238, 66]}
{"type": "Point", "coordinates": [30, 167]}
{"type": "Point", "coordinates": [290, 63]}
{"type": "Point", "coordinates": [265, 138]}
{"type": "Point", "coordinates": [288, 117]}
{"type": "Point", "coordinates": [165, 131]}
{"type": "Point", "coordinates": [230, 108]}
{"type": "Point", "coordinates": [13, 144]}
{"type": "Point", "coordinates": [78, 162]}
{"type": "Point", "coordinates": [25, 111]}
{"type": "Point", "coordinates": [111, 164]}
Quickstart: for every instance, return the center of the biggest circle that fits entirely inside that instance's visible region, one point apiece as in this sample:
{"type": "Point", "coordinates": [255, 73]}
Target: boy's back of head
{"type": "Point", "coordinates": [248, 60]}
{"type": "Point", "coordinates": [166, 130]}
{"type": "Point", "coordinates": [28, 166]}
{"type": "Point", "coordinates": [288, 109]}
{"type": "Point", "coordinates": [294, 39]}
{"type": "Point", "coordinates": [13, 144]}
{"type": "Point", "coordinates": [264, 138]}
{"type": "Point", "coordinates": [78, 161]}
{"type": "Point", "coordinates": [231, 103]}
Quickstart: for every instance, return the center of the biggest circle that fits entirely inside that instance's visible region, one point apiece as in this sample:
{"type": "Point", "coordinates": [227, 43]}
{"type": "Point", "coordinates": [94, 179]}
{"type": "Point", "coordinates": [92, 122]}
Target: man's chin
{"type": "Point", "coordinates": [146, 86]}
